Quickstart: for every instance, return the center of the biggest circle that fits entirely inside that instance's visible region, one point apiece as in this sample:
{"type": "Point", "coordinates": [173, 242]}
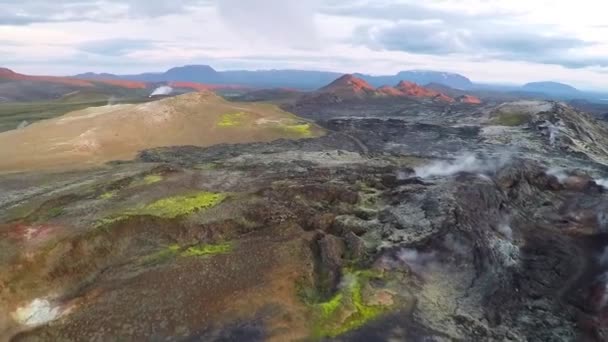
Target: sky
{"type": "Point", "coordinates": [492, 41]}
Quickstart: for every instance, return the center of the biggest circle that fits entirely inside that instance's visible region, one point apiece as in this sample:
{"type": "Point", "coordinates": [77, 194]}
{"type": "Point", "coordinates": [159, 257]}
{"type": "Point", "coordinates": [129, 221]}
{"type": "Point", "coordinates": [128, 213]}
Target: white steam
{"type": "Point", "coordinates": [162, 90]}
{"type": "Point", "coordinates": [112, 101]}
{"type": "Point", "coordinates": [553, 134]}
{"type": "Point", "coordinates": [38, 312]}
{"type": "Point", "coordinates": [23, 124]}
{"type": "Point", "coordinates": [558, 173]}
{"type": "Point", "coordinates": [603, 182]}
{"type": "Point", "coordinates": [417, 261]}
{"type": "Point", "coordinates": [505, 229]}
{"type": "Point", "coordinates": [464, 163]}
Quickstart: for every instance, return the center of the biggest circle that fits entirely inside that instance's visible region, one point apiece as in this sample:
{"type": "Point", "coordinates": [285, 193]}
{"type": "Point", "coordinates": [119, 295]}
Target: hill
{"type": "Point", "coordinates": [550, 88]}
{"type": "Point", "coordinates": [352, 88]}
{"type": "Point", "coordinates": [97, 135]}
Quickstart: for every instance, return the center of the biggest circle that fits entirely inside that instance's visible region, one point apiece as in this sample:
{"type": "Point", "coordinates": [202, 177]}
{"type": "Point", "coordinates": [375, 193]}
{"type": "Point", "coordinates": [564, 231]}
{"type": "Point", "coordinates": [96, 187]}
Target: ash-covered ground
{"type": "Point", "coordinates": [405, 222]}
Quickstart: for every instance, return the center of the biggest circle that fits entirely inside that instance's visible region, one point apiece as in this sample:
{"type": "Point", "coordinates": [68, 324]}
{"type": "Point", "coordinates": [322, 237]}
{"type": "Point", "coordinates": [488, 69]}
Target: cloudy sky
{"type": "Point", "coordinates": [511, 41]}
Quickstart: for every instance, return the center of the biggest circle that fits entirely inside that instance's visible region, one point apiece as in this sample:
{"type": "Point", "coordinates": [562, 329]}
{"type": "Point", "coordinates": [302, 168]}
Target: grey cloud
{"type": "Point", "coordinates": [115, 47]}
{"type": "Point", "coordinates": [42, 11]}
{"type": "Point", "coordinates": [398, 11]}
{"type": "Point", "coordinates": [424, 30]}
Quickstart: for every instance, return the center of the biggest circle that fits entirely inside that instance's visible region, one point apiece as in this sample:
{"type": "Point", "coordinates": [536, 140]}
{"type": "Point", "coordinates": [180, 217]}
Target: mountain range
{"type": "Point", "coordinates": [300, 79]}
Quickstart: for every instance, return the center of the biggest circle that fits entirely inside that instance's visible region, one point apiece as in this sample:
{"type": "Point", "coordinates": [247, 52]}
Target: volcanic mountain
{"type": "Point", "coordinates": [413, 90]}
{"type": "Point", "coordinates": [97, 135]}
{"type": "Point", "coordinates": [349, 86]}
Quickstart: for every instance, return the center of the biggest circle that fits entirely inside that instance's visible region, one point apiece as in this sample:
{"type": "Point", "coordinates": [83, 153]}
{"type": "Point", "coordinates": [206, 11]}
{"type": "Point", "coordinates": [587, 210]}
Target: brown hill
{"type": "Point", "coordinates": [94, 136]}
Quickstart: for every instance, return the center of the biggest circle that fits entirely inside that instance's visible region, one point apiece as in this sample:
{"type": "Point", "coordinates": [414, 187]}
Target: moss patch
{"type": "Point", "coordinates": [169, 208]}
{"type": "Point", "coordinates": [176, 250]}
{"type": "Point", "coordinates": [347, 310]}
{"type": "Point", "coordinates": [161, 256]}
{"type": "Point", "coordinates": [232, 119]}
{"type": "Point", "coordinates": [299, 130]}
{"type": "Point", "coordinates": [207, 250]}
{"type": "Point", "coordinates": [108, 195]}
{"type": "Point", "coordinates": [511, 119]}
{"type": "Point", "coordinates": [147, 180]}
{"type": "Point", "coordinates": [55, 212]}
{"type": "Point", "coordinates": [173, 207]}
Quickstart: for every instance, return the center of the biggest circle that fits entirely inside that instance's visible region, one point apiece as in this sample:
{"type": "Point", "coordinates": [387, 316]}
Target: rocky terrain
{"type": "Point", "coordinates": [411, 219]}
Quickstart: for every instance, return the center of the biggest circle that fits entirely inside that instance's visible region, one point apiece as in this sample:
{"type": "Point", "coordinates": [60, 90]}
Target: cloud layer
{"type": "Point", "coordinates": [489, 40]}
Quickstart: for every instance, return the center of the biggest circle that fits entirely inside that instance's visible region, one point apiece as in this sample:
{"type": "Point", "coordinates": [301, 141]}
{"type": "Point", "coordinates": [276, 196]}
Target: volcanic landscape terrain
{"type": "Point", "coordinates": [353, 213]}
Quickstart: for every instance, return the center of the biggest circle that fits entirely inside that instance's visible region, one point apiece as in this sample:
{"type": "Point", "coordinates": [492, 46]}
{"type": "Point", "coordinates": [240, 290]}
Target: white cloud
{"type": "Point", "coordinates": [483, 39]}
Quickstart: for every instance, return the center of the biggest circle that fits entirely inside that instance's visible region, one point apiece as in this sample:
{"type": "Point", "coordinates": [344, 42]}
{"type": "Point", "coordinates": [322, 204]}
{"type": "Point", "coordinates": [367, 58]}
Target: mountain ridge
{"type": "Point", "coordinates": [301, 79]}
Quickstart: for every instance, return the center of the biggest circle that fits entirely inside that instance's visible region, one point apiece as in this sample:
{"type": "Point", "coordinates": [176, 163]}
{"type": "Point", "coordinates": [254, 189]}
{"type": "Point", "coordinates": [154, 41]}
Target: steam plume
{"type": "Point", "coordinates": [463, 163]}
{"type": "Point", "coordinates": [162, 90]}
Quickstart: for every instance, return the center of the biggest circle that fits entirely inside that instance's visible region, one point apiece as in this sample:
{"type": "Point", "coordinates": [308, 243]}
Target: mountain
{"type": "Point", "coordinates": [413, 90]}
{"type": "Point", "coordinates": [20, 87]}
{"type": "Point", "coordinates": [9, 75]}
{"type": "Point", "coordinates": [421, 77]}
{"type": "Point", "coordinates": [300, 79]}
{"type": "Point", "coordinates": [349, 86]}
{"type": "Point", "coordinates": [551, 88]}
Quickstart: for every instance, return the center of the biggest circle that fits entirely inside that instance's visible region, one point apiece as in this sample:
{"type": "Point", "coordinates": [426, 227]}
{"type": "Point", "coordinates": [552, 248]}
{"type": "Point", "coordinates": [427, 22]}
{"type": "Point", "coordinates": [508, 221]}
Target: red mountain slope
{"type": "Point", "coordinates": [469, 99]}
{"type": "Point", "coordinates": [349, 86]}
{"type": "Point", "coordinates": [7, 74]}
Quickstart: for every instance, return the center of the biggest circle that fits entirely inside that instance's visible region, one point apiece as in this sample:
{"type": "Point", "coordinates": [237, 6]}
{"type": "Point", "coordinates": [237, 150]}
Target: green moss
{"type": "Point", "coordinates": [511, 119]}
{"type": "Point", "coordinates": [347, 310]}
{"type": "Point", "coordinates": [54, 212]}
{"type": "Point", "coordinates": [207, 250]}
{"type": "Point", "coordinates": [147, 180]}
{"type": "Point", "coordinates": [173, 207]}
{"type": "Point", "coordinates": [299, 130]}
{"type": "Point", "coordinates": [169, 208]}
{"type": "Point", "coordinates": [163, 255]}
{"type": "Point", "coordinates": [108, 195]}
{"type": "Point", "coordinates": [232, 119]}
{"type": "Point", "coordinates": [176, 250]}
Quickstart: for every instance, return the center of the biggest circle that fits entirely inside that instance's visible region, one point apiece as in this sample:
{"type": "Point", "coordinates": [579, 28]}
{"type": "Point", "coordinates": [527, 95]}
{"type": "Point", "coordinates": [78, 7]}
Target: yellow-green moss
{"type": "Point", "coordinates": [160, 256]}
{"type": "Point", "coordinates": [169, 208]}
{"type": "Point", "coordinates": [300, 130]}
{"type": "Point", "coordinates": [511, 119]}
{"type": "Point", "coordinates": [347, 310]}
{"type": "Point", "coordinates": [108, 195]}
{"type": "Point", "coordinates": [147, 180]}
{"type": "Point", "coordinates": [207, 250]}
{"type": "Point", "coordinates": [173, 207]}
{"type": "Point", "coordinates": [232, 119]}
{"type": "Point", "coordinates": [176, 250]}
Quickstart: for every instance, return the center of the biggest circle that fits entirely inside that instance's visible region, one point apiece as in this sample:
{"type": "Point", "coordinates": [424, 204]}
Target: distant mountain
{"type": "Point", "coordinates": [20, 87]}
{"type": "Point", "coordinates": [550, 88]}
{"type": "Point", "coordinates": [350, 87]}
{"type": "Point", "coordinates": [421, 77]}
{"type": "Point", "coordinates": [299, 79]}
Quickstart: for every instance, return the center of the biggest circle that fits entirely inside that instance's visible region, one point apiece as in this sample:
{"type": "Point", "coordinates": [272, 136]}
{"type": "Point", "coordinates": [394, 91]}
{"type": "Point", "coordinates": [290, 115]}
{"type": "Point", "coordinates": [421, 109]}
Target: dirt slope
{"type": "Point", "coordinates": [97, 135]}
